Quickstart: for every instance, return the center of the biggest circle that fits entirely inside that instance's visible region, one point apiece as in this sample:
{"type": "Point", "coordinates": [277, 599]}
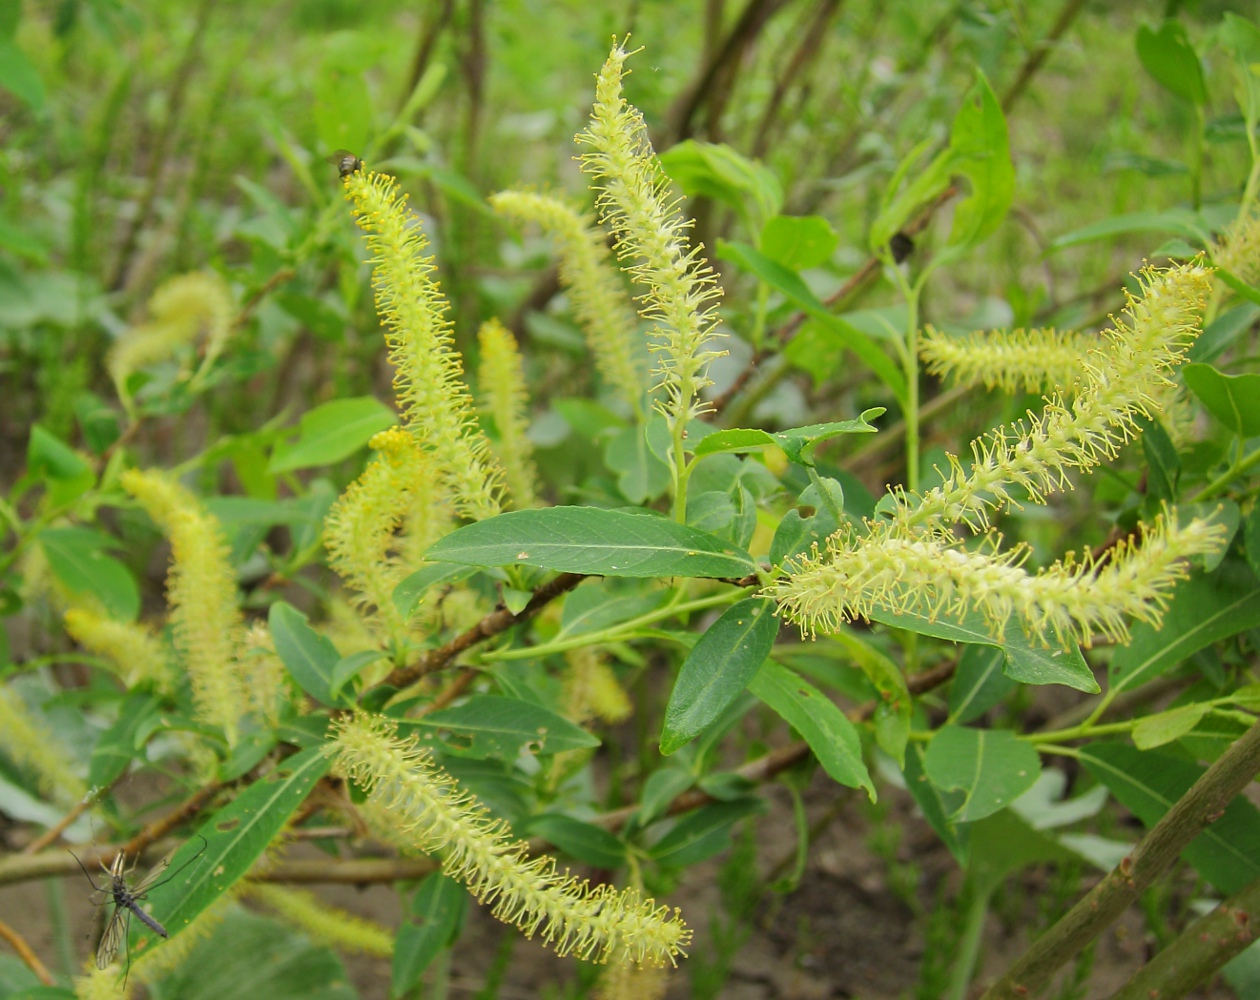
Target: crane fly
{"type": "Point", "coordinates": [126, 899]}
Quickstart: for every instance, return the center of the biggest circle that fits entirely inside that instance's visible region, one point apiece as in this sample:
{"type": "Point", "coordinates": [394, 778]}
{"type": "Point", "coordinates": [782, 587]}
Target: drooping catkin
{"type": "Point", "coordinates": [417, 806]}
{"type": "Point", "coordinates": [599, 298]}
{"type": "Point", "coordinates": [201, 594]}
{"type": "Point", "coordinates": [504, 395]}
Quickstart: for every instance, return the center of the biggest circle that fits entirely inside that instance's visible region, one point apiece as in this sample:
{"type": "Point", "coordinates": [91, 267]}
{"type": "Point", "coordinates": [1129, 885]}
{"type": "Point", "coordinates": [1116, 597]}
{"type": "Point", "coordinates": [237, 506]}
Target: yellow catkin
{"type": "Point", "coordinates": [415, 804]}
{"type": "Point", "coordinates": [1119, 380]}
{"type": "Point", "coordinates": [201, 592]}
{"type": "Point", "coordinates": [591, 688]}
{"type": "Point", "coordinates": [182, 310]}
{"type": "Point", "coordinates": [1238, 250]}
{"type": "Point", "coordinates": [428, 376]}
{"type": "Point", "coordinates": [598, 295]}
{"type": "Point", "coordinates": [32, 745]}
{"type": "Point", "coordinates": [893, 569]}
{"type": "Point", "coordinates": [635, 201]}
{"type": "Point", "coordinates": [1009, 360]}
{"type": "Point", "coordinates": [323, 923]}
{"type": "Point", "coordinates": [263, 674]}
{"type": "Point", "coordinates": [359, 532]}
{"type": "Point", "coordinates": [135, 651]}
{"type": "Point", "coordinates": [502, 378]}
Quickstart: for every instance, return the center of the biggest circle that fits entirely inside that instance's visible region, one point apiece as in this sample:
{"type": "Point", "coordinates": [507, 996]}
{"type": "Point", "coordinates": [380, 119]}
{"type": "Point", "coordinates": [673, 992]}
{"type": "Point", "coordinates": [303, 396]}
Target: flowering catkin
{"type": "Point", "coordinates": [416, 805]}
{"type": "Point", "coordinates": [636, 203]}
{"type": "Point", "coordinates": [428, 377]}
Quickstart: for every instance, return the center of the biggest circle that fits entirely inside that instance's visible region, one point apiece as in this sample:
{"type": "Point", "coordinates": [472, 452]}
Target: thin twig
{"type": "Point", "coordinates": [1201, 806]}
{"type": "Point", "coordinates": [162, 826]}
{"type": "Point", "coordinates": [24, 952]}
{"type": "Point", "coordinates": [493, 624]}
{"type": "Point", "coordinates": [1040, 53]}
{"type": "Point", "coordinates": [60, 827]}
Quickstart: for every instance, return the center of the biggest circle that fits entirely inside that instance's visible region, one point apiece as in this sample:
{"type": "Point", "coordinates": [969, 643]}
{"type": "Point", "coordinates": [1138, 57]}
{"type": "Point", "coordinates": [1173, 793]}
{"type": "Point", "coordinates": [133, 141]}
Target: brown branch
{"type": "Point", "coordinates": [713, 83]}
{"type": "Point", "coordinates": [58, 828]}
{"type": "Point", "coordinates": [424, 50]}
{"type": "Point", "coordinates": [24, 952]}
{"type": "Point", "coordinates": [1040, 53]}
{"type": "Point", "coordinates": [1202, 805]}
{"type": "Point", "coordinates": [493, 624]}
{"type": "Point", "coordinates": [1202, 948]}
{"type": "Point", "coordinates": [352, 871]}
{"type": "Point", "coordinates": [153, 179]}
{"type": "Point", "coordinates": [811, 42]}
{"type": "Point", "coordinates": [162, 826]}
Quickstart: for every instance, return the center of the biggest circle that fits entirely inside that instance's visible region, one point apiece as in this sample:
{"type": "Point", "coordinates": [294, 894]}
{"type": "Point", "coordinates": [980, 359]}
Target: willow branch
{"type": "Point", "coordinates": [24, 952]}
{"type": "Point", "coordinates": [1202, 948]}
{"type": "Point", "coordinates": [1202, 805]}
{"type": "Point", "coordinates": [493, 624]}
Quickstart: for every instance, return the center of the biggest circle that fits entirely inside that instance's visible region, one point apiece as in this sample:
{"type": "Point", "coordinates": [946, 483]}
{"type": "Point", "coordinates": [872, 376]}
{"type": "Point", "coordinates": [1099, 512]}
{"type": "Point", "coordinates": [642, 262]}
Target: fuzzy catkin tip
{"type": "Point", "coordinates": [636, 202]}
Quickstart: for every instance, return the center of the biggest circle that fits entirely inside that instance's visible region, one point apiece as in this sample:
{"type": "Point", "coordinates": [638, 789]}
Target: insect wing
{"type": "Point", "coordinates": [148, 881]}
{"type": "Point", "coordinates": [115, 931]}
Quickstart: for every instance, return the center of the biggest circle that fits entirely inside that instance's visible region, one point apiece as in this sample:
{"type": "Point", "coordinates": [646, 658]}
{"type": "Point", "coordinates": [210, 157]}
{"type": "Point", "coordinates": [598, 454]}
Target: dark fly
{"type": "Point", "coordinates": [345, 162]}
{"type": "Point", "coordinates": [126, 899]}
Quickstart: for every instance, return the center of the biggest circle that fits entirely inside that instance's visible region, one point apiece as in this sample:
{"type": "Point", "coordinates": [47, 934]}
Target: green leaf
{"type": "Point", "coordinates": [894, 705]}
{"type": "Point", "coordinates": [1185, 224]}
{"type": "Point", "coordinates": [641, 476]}
{"type": "Point", "coordinates": [719, 172]}
{"type": "Point", "coordinates": [1164, 727]}
{"type": "Point", "coordinates": [411, 590]}
{"type": "Point", "coordinates": [432, 923]}
{"type": "Point", "coordinates": [489, 725]}
{"type": "Point", "coordinates": [718, 669]}
{"type": "Point", "coordinates": [980, 151]}
{"type": "Point", "coordinates": [1166, 53]}
{"type": "Point", "coordinates": [118, 745]}
{"type": "Point", "coordinates": [1245, 289]}
{"type": "Point", "coordinates": [789, 283]}
{"type": "Point", "coordinates": [68, 476]}
{"type": "Point", "coordinates": [798, 442]}
{"type": "Point", "coordinates": [1203, 610]}
{"type": "Point", "coordinates": [1234, 400]}
{"type": "Point", "coordinates": [19, 77]}
{"type": "Point", "coordinates": [799, 242]}
{"type": "Point", "coordinates": [342, 107]}
{"type": "Point", "coordinates": [590, 844]}
{"type": "Point", "coordinates": [1161, 460]}
{"type": "Point", "coordinates": [828, 731]}
{"type": "Point", "coordinates": [593, 540]}
{"type": "Point", "coordinates": [332, 432]}
{"type": "Point", "coordinates": [235, 837]}
{"type": "Point", "coordinates": [979, 683]}
{"type": "Point", "coordinates": [252, 956]}
{"type": "Point", "coordinates": [938, 805]}
{"type": "Point", "coordinates": [1223, 331]}
{"type": "Point", "coordinates": [661, 788]}
{"type": "Point", "coordinates": [702, 834]}
{"type": "Point", "coordinates": [1025, 662]}
{"type": "Point", "coordinates": [1002, 844]}
{"type": "Point", "coordinates": [992, 767]}
{"type": "Point", "coordinates": [349, 667]}
{"type": "Point", "coordinates": [593, 607]}
{"type": "Point", "coordinates": [1227, 853]}
{"type": "Point", "coordinates": [78, 559]}
{"type": "Point", "coordinates": [311, 658]}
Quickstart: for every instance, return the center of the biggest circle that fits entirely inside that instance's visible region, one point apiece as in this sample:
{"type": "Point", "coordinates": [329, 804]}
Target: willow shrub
{"type": "Point", "coordinates": [449, 698]}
